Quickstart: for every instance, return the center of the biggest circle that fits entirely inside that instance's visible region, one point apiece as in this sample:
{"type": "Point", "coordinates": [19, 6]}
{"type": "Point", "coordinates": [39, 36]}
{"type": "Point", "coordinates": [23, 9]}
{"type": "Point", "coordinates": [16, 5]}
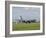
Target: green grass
{"type": "Point", "coordinates": [24, 26]}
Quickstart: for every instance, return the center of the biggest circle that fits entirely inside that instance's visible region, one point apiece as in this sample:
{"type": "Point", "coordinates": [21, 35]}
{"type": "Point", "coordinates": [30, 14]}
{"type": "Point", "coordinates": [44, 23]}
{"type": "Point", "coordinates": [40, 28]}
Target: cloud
{"type": "Point", "coordinates": [26, 8]}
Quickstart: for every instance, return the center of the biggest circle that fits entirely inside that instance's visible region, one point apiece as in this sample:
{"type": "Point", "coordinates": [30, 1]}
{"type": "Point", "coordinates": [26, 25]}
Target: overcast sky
{"type": "Point", "coordinates": [26, 12]}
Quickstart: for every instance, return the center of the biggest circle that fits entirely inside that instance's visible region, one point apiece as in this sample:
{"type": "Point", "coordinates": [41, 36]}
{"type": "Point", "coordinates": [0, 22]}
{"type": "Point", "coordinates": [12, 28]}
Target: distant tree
{"type": "Point", "coordinates": [33, 20]}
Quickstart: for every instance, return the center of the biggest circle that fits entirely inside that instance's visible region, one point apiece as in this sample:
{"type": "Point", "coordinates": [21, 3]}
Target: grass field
{"type": "Point", "coordinates": [24, 26]}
